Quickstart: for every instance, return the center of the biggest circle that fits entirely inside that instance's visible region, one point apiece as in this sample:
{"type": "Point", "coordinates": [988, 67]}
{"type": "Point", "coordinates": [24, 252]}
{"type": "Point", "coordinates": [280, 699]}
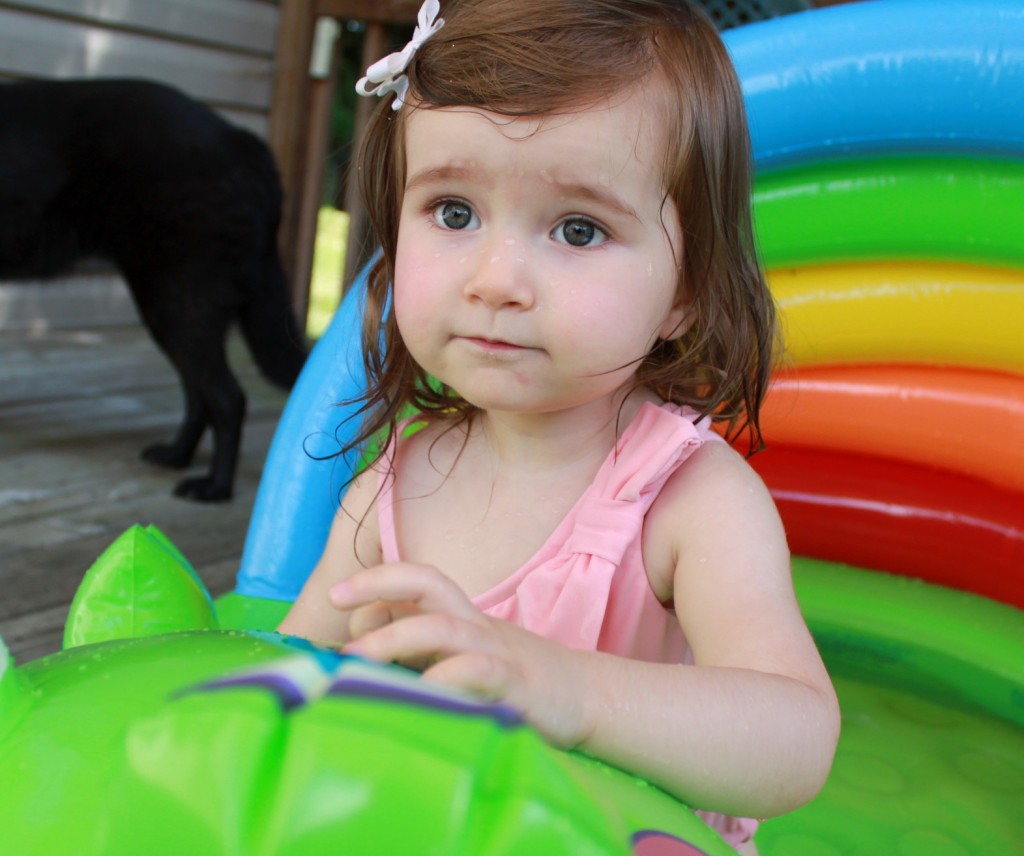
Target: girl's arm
{"type": "Point", "coordinates": [353, 544]}
{"type": "Point", "coordinates": [749, 729]}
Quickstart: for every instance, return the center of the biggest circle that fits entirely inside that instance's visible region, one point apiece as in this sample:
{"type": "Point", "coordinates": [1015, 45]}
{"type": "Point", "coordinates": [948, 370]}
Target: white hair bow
{"type": "Point", "coordinates": [386, 75]}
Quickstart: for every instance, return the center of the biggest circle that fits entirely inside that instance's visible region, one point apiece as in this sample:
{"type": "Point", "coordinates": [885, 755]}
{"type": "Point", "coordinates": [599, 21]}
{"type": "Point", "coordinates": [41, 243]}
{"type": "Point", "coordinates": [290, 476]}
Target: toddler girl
{"type": "Point", "coordinates": [568, 298]}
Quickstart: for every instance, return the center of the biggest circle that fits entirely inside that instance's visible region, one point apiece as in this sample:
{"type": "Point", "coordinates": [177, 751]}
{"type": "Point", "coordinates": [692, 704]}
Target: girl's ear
{"type": "Point", "coordinates": [679, 319]}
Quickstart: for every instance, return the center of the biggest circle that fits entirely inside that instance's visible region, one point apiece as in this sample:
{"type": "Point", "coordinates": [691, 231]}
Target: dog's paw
{"type": "Point", "coordinates": [202, 490]}
{"type": "Point", "coordinates": [166, 455]}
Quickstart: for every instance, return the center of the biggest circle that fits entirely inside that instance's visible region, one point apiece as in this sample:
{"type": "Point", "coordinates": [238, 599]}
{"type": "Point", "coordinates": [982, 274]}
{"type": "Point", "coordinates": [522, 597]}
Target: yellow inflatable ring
{"type": "Point", "coordinates": [947, 314]}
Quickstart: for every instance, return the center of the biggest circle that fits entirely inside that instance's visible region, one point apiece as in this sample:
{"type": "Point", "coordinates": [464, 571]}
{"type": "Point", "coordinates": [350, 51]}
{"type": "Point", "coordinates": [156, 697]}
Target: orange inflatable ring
{"type": "Point", "coordinates": [960, 420]}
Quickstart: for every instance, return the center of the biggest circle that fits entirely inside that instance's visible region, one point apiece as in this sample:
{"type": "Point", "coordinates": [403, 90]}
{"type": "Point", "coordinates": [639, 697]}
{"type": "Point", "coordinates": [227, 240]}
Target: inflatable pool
{"type": "Point", "coordinates": [889, 139]}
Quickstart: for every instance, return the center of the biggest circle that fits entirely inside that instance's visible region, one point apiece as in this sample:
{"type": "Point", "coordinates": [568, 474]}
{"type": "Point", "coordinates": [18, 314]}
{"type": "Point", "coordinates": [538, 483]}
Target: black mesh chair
{"type": "Point", "coordinates": [734, 13]}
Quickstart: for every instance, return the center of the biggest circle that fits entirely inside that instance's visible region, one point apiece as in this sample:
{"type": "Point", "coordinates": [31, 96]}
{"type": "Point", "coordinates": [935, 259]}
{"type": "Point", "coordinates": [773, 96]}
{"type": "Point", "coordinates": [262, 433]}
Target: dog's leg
{"type": "Point", "coordinates": [178, 453]}
{"type": "Point", "coordinates": [223, 403]}
{"type": "Point", "coordinates": [191, 331]}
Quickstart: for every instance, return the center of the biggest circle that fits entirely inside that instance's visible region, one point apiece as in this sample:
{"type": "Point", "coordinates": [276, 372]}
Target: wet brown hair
{"type": "Point", "coordinates": [545, 57]}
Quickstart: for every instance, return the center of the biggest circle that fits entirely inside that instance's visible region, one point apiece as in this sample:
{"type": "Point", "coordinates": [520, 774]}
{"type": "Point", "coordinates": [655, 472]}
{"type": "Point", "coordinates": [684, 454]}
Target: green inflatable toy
{"type": "Point", "coordinates": [156, 733]}
{"type": "Point", "coordinates": [141, 740]}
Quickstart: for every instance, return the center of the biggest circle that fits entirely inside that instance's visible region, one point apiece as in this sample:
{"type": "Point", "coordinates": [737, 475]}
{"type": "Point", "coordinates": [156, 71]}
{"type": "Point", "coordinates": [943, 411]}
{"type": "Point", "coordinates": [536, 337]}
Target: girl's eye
{"type": "Point", "coordinates": [454, 215]}
{"type": "Point", "coordinates": [578, 232]}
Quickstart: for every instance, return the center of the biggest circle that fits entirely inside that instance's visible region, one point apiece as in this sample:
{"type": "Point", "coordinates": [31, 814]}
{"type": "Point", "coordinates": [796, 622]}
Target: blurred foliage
{"type": "Point", "coordinates": [328, 266]}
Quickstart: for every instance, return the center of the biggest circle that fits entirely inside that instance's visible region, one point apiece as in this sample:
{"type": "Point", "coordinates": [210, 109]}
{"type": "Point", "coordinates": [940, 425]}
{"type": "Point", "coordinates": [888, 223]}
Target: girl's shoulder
{"type": "Point", "coordinates": [714, 484]}
{"type": "Point", "coordinates": [423, 451]}
{"type": "Point", "coordinates": [715, 498]}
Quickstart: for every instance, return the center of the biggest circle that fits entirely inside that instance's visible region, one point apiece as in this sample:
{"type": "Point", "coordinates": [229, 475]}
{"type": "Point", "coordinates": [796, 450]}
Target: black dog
{"type": "Point", "coordinates": [186, 205]}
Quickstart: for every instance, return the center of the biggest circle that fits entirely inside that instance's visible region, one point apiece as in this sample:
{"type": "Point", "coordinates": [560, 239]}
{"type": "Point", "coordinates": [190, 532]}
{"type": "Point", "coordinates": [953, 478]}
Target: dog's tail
{"type": "Point", "coordinates": [268, 324]}
{"type": "Point", "coordinates": [266, 318]}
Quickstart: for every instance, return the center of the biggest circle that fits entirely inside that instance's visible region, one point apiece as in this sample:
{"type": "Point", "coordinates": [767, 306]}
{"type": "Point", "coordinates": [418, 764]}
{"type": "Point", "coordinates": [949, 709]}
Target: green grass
{"type": "Point", "coordinates": [328, 268]}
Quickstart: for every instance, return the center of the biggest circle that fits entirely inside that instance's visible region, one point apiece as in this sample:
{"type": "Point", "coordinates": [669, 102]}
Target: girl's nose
{"type": "Point", "coordinates": [501, 278]}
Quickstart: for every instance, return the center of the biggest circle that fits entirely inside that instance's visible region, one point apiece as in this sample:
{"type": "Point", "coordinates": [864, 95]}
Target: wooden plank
{"type": "Point", "coordinates": [36, 46]}
{"type": "Point", "coordinates": [317, 131]}
{"type": "Point", "coordinates": [35, 634]}
{"type": "Point", "coordinates": [258, 123]}
{"type": "Point", "coordinates": [288, 118]}
{"type": "Point", "coordinates": [359, 246]}
{"type": "Point", "coordinates": [237, 24]}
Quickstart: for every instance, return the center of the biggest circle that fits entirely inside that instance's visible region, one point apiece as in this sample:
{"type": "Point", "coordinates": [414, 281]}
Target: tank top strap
{"type": "Point", "coordinates": [385, 468]}
{"type": "Point", "coordinates": [611, 513]}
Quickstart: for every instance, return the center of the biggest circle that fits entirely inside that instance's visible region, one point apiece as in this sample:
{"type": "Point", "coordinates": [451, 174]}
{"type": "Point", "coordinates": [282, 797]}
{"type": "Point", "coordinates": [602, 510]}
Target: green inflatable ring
{"type": "Point", "coordinates": [931, 685]}
{"type": "Point", "coordinates": [932, 208]}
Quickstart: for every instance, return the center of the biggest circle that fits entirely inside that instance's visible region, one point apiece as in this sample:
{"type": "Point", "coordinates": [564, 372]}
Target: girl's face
{"type": "Point", "coordinates": [536, 261]}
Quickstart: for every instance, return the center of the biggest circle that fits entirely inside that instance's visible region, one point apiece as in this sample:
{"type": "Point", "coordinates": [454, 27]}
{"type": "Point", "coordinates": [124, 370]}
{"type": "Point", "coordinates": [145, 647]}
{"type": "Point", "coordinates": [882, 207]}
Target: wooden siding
{"type": "Point", "coordinates": [219, 51]}
{"type": "Point", "coordinates": [88, 298]}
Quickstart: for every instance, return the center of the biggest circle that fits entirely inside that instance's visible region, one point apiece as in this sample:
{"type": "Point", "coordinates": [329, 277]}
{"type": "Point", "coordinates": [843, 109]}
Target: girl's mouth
{"type": "Point", "coordinates": [494, 345]}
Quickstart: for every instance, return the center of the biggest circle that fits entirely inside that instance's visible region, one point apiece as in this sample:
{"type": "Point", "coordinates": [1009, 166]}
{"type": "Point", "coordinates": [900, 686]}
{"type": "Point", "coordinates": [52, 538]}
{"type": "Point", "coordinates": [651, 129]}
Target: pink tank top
{"type": "Point", "coordinates": [587, 586]}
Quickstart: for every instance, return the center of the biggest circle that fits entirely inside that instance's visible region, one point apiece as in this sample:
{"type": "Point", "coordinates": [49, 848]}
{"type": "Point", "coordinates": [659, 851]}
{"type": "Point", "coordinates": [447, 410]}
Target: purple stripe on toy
{"type": "Point", "coordinates": [288, 693]}
{"type": "Point", "coordinates": [504, 715]}
{"type": "Point", "coordinates": [653, 842]}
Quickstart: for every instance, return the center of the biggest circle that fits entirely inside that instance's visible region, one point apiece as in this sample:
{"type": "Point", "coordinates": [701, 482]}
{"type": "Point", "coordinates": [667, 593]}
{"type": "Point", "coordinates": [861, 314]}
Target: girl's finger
{"type": "Point", "coordinates": [372, 616]}
{"type": "Point", "coordinates": [423, 585]}
{"type": "Point", "coordinates": [422, 638]}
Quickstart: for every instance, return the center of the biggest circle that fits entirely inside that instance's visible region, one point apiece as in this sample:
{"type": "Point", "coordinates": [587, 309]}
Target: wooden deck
{"type": "Point", "coordinates": [76, 409]}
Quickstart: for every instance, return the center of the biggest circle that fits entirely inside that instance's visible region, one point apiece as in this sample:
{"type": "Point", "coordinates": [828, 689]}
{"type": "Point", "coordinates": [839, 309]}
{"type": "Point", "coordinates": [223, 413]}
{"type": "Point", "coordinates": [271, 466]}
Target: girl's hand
{"type": "Point", "coordinates": [416, 616]}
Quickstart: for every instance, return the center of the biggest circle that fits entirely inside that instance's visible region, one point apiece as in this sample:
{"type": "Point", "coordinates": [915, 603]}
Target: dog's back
{"type": "Point", "coordinates": [128, 170]}
{"type": "Point", "coordinates": [184, 203]}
